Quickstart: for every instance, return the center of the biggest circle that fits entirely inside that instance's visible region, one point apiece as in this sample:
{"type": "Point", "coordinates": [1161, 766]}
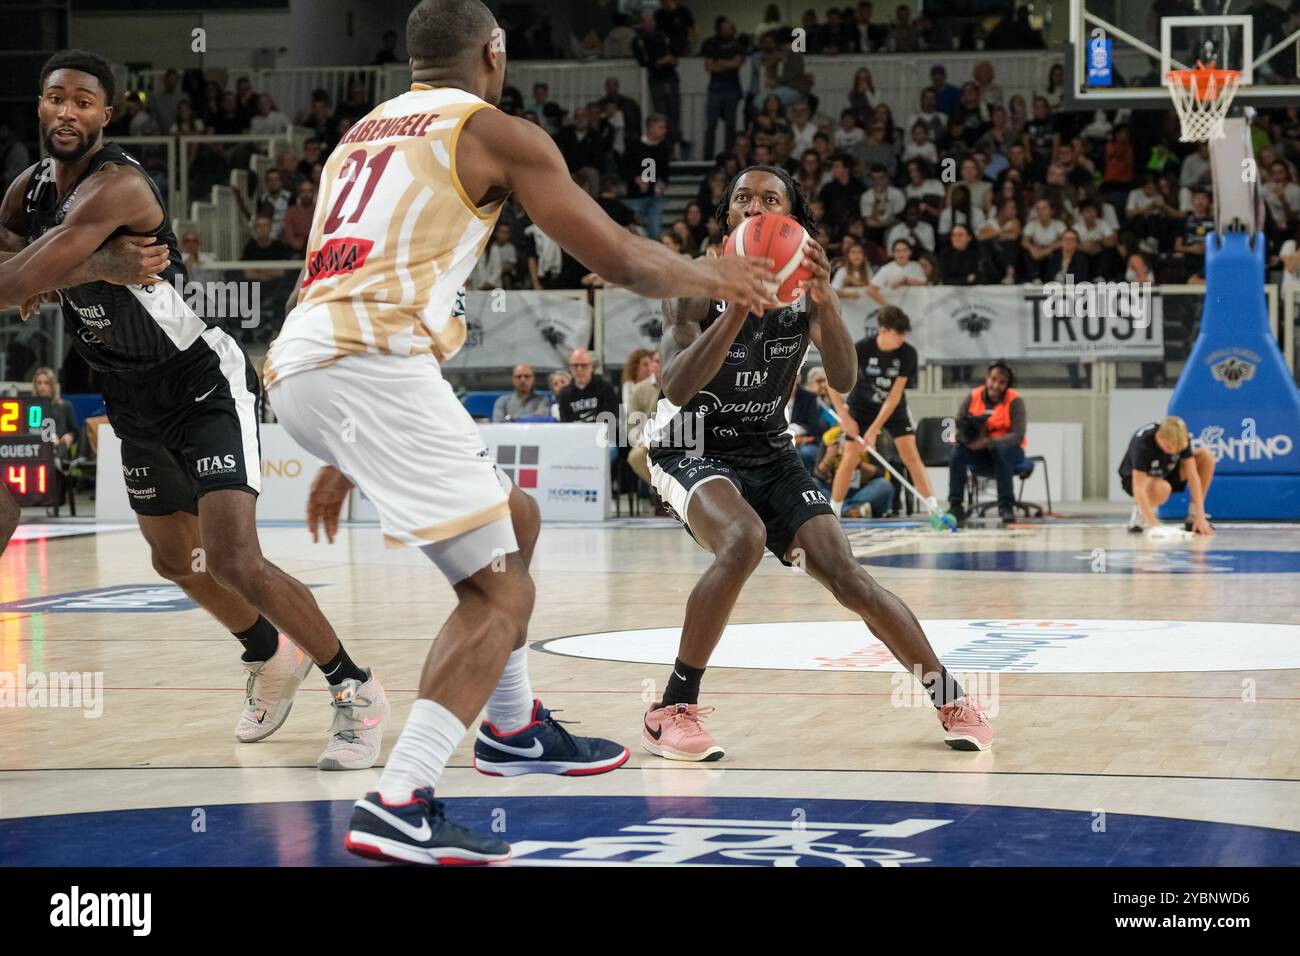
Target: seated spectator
{"type": "Point", "coordinates": [495, 268]}
{"type": "Point", "coordinates": [297, 219]}
{"type": "Point", "coordinates": [1191, 243]}
{"type": "Point", "coordinates": [588, 395]}
{"type": "Point", "coordinates": [930, 116]}
{"type": "Point", "coordinates": [319, 118]}
{"type": "Point", "coordinates": [990, 92]}
{"type": "Point", "coordinates": [609, 200]}
{"type": "Point", "coordinates": [578, 142]}
{"type": "Point", "coordinates": [991, 424]}
{"type": "Point", "coordinates": [848, 134]}
{"type": "Point", "coordinates": [947, 96]}
{"type": "Point", "coordinates": [801, 125]}
{"type": "Point", "coordinates": [1004, 248]}
{"type": "Point", "coordinates": [1160, 462]}
{"type": "Point", "coordinates": [245, 100]}
{"type": "Point", "coordinates": [636, 370]}
{"type": "Point", "coordinates": [881, 204]}
{"type": "Point", "coordinates": [557, 381]}
{"type": "Point", "coordinates": [198, 263]}
{"type": "Point", "coordinates": [842, 193]}
{"type": "Point", "coordinates": [922, 187]}
{"type": "Point", "coordinates": [896, 275]}
{"type": "Point", "coordinates": [980, 189]}
{"type": "Point", "coordinates": [920, 146]}
{"type": "Point", "coordinates": [268, 121]}
{"type": "Point", "coordinates": [278, 198]}
{"type": "Point", "coordinates": [811, 175]}
{"type": "Point", "coordinates": [869, 495]}
{"type": "Point", "coordinates": [958, 208]}
{"type": "Point", "coordinates": [853, 276]}
{"type": "Point", "coordinates": [863, 96]}
{"type": "Point", "coordinates": [1040, 237]}
{"type": "Point", "coordinates": [973, 115]}
{"type": "Point", "coordinates": [959, 263]}
{"type": "Point", "coordinates": [1120, 170]}
{"type": "Point", "coordinates": [356, 105]}
{"type": "Point", "coordinates": [186, 121]}
{"type": "Point", "coordinates": [903, 35]}
{"type": "Point", "coordinates": [918, 232]}
{"type": "Point", "coordinates": [617, 44]}
{"type": "Point", "coordinates": [263, 246]}
{"type": "Point", "coordinates": [876, 150]}
{"type": "Point", "coordinates": [1068, 262]}
{"type": "Point", "coordinates": [1097, 240]}
{"type": "Point", "coordinates": [523, 402]}
{"type": "Point", "coordinates": [1282, 196]}
{"type": "Point", "coordinates": [45, 386]}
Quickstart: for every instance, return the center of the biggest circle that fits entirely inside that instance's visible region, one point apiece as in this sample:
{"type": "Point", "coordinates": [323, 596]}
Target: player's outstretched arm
{"type": "Point", "coordinates": [67, 255]}
{"type": "Point", "coordinates": [499, 154]}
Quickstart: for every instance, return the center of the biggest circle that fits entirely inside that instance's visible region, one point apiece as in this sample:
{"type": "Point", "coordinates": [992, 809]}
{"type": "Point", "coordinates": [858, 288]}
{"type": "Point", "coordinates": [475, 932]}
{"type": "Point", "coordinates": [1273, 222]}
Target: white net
{"type": "Point", "coordinates": [1202, 100]}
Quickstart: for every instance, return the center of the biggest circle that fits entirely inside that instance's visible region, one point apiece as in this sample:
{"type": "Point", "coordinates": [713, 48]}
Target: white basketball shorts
{"type": "Point", "coordinates": [393, 426]}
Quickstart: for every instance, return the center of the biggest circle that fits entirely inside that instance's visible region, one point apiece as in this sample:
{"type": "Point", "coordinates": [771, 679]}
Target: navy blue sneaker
{"type": "Point", "coordinates": [544, 747]}
{"type": "Point", "coordinates": [417, 832]}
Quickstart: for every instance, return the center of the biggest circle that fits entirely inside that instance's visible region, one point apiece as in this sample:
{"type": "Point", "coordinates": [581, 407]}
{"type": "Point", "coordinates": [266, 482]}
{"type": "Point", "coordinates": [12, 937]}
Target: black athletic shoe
{"type": "Point", "coordinates": [417, 832]}
{"type": "Point", "coordinates": [958, 512]}
{"type": "Point", "coordinates": [544, 747]}
{"type": "Point", "coordinates": [1006, 514]}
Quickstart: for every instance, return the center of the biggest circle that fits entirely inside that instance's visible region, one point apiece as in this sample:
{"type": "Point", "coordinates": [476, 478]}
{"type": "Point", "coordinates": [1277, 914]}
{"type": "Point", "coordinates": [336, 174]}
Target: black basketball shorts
{"type": "Point", "coordinates": [188, 426]}
{"type": "Point", "coordinates": [898, 424]}
{"type": "Point", "coordinates": [1176, 482]}
{"type": "Point", "coordinates": [782, 492]}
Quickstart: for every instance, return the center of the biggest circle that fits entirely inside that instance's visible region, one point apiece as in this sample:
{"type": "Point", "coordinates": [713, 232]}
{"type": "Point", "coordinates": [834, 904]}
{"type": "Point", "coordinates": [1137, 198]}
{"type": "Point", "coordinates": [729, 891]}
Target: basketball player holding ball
{"type": "Point", "coordinates": [724, 464]}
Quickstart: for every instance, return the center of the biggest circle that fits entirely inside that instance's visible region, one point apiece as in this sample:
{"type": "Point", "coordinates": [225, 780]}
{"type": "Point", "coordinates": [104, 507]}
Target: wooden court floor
{"type": "Point", "coordinates": [1167, 739]}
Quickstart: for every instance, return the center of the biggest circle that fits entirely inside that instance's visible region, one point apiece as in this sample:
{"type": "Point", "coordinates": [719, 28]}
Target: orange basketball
{"type": "Point", "coordinates": [778, 238]}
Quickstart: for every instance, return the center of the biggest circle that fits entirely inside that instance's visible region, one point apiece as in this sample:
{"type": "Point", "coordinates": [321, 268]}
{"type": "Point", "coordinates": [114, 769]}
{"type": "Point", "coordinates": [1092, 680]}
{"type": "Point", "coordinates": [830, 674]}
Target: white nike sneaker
{"type": "Point", "coordinates": [1135, 523]}
{"type": "Point", "coordinates": [270, 690]}
{"type": "Point", "coordinates": [358, 729]}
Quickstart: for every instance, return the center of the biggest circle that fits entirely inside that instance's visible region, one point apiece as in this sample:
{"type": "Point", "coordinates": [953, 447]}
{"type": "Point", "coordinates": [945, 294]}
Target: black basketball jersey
{"type": "Point", "coordinates": [117, 328]}
{"type": "Point", "coordinates": [877, 371]}
{"type": "Point", "coordinates": [739, 416]}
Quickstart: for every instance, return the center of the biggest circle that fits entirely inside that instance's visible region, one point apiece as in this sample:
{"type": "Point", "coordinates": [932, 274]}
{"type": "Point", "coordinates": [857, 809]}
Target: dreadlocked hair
{"type": "Point", "coordinates": [800, 208]}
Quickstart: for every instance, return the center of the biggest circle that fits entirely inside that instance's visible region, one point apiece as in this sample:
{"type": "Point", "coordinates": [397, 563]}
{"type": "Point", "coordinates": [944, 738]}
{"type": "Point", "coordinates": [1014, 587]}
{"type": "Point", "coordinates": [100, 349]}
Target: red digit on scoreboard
{"type": "Point", "coordinates": [18, 478]}
{"type": "Point", "coordinates": [40, 478]}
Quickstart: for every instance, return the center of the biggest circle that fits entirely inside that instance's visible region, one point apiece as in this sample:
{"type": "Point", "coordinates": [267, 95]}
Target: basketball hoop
{"type": "Point", "coordinates": [1202, 97]}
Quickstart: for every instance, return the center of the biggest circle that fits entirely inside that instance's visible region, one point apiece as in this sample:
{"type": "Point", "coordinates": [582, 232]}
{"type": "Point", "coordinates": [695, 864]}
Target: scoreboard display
{"type": "Point", "coordinates": [28, 465]}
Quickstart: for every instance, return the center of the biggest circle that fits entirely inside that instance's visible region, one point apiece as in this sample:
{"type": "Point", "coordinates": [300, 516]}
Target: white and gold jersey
{"type": "Point", "coordinates": [393, 239]}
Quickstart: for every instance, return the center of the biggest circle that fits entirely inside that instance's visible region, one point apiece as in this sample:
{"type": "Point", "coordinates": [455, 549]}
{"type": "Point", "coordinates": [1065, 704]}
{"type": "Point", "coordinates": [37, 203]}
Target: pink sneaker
{"type": "Point", "coordinates": [675, 732]}
{"type": "Point", "coordinates": [967, 727]}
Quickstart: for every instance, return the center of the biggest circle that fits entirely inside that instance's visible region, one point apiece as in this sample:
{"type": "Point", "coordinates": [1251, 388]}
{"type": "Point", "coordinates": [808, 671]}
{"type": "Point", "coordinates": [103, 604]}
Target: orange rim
{"type": "Point", "coordinates": [1200, 79]}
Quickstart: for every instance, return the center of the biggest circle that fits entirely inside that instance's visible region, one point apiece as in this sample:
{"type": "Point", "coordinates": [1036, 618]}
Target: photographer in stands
{"type": "Point", "coordinates": [990, 438]}
{"type": "Point", "coordinates": [1159, 462]}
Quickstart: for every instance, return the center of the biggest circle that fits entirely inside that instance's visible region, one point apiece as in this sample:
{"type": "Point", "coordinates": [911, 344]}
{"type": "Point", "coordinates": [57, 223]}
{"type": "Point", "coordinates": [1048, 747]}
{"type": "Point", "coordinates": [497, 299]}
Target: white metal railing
{"type": "Point", "coordinates": [178, 145]}
{"type": "Point", "coordinates": [290, 87]}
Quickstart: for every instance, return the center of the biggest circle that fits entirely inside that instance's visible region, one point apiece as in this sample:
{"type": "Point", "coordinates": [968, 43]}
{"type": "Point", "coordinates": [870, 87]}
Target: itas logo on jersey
{"type": "Point", "coordinates": [781, 348]}
{"type": "Point", "coordinates": [337, 257]}
{"type": "Point", "coordinates": [737, 354]}
{"type": "Point", "coordinates": [747, 381]}
{"type": "Point", "coordinates": [215, 465]}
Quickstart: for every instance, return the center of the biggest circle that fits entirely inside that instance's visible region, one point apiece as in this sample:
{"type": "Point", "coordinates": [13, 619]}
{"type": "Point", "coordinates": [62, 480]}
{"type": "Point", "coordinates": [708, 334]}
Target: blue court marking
{"type": "Point", "coordinates": [679, 830]}
{"type": "Point", "coordinates": [1117, 561]}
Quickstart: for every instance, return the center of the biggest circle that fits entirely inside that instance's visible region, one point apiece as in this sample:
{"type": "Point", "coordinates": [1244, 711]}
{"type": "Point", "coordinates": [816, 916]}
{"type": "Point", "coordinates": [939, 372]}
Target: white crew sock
{"type": "Point", "coordinates": [837, 507]}
{"type": "Point", "coordinates": [432, 733]}
{"type": "Point", "coordinates": [510, 707]}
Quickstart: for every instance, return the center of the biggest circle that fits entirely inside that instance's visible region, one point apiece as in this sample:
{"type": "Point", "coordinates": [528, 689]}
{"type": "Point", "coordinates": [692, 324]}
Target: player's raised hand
{"type": "Point", "coordinates": [131, 260]}
{"type": "Point", "coordinates": [746, 281]}
{"type": "Point", "coordinates": [32, 306]}
{"type": "Point", "coordinates": [329, 489]}
{"type": "Point", "coordinates": [814, 260]}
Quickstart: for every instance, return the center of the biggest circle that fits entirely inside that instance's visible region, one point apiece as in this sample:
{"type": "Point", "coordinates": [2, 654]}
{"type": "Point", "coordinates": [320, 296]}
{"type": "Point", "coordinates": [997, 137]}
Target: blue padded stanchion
{"type": "Point", "coordinates": [1236, 394]}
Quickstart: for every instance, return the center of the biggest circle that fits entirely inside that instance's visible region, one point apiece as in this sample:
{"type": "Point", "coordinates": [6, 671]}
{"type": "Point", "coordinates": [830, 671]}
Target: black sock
{"type": "Point", "coordinates": [684, 686]}
{"type": "Point", "coordinates": [943, 689]}
{"type": "Point", "coordinates": [260, 641]}
{"type": "Point", "coordinates": [341, 668]}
